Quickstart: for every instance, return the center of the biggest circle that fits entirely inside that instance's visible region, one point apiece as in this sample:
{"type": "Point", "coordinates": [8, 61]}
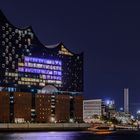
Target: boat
{"type": "Point", "coordinates": [102, 130]}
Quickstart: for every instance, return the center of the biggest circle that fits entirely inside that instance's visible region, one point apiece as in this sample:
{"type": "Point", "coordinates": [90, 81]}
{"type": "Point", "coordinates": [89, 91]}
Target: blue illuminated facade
{"type": "Point", "coordinates": [27, 64]}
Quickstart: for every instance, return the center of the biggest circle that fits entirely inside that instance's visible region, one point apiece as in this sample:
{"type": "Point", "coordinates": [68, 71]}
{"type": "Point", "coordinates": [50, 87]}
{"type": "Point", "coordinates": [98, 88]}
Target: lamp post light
{"type": "Point", "coordinates": [52, 119]}
{"type": "Point", "coordinates": [71, 120]}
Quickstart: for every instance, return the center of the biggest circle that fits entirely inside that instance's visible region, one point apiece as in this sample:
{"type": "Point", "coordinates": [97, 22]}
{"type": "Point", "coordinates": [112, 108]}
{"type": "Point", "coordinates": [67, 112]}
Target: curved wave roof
{"type": "Point", "coordinates": [3, 17]}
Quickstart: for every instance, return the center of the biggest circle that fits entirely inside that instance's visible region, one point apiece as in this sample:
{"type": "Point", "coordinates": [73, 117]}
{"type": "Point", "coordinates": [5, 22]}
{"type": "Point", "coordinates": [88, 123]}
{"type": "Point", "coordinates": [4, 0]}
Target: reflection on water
{"type": "Point", "coordinates": [40, 136]}
{"type": "Point", "coordinates": [67, 136]}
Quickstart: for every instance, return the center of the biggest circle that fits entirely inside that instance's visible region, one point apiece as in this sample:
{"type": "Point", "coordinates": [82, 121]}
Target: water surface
{"type": "Point", "coordinates": [67, 136]}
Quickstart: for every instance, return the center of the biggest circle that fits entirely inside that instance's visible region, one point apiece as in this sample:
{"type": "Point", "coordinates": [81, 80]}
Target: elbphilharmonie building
{"type": "Point", "coordinates": [28, 66]}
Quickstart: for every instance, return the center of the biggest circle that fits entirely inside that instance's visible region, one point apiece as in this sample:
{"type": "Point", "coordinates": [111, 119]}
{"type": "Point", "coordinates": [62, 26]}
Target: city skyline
{"type": "Point", "coordinates": [108, 33]}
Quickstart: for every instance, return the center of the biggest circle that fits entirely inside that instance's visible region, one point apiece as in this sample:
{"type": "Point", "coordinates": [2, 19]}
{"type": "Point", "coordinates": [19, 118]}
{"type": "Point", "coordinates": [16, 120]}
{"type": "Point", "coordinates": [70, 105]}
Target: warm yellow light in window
{"type": "Point", "coordinates": [64, 51]}
{"type": "Point", "coordinates": [20, 64]}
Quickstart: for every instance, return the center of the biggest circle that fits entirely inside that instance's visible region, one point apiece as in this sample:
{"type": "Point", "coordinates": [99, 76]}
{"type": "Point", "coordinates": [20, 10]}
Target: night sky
{"type": "Point", "coordinates": [108, 32]}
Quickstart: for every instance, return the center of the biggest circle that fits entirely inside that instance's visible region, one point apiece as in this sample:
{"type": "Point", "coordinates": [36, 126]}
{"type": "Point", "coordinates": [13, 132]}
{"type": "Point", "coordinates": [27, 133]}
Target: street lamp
{"type": "Point", "coordinates": [52, 119]}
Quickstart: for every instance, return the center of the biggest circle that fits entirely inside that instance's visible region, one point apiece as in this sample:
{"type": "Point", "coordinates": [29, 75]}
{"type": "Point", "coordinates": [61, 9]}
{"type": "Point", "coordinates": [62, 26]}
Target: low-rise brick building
{"type": "Point", "coordinates": [22, 107]}
{"type": "Point", "coordinates": [4, 107]}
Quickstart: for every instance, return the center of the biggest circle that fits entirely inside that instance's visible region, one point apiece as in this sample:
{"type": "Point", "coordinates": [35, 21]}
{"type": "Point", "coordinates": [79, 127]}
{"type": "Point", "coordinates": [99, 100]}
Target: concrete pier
{"type": "Point", "coordinates": [43, 126]}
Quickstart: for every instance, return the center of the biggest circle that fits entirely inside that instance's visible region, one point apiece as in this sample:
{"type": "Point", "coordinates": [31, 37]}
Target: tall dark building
{"type": "Point", "coordinates": [38, 83]}
{"type": "Point", "coordinates": [28, 65]}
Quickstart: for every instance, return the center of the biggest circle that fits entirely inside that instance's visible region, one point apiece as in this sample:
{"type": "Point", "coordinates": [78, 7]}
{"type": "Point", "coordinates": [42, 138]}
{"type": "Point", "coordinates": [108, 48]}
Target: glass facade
{"type": "Point", "coordinates": [28, 64]}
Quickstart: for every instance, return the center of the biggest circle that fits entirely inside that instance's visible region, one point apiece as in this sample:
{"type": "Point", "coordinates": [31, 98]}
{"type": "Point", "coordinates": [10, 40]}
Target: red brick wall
{"type": "Point", "coordinates": [22, 105]}
{"type": "Point", "coordinates": [78, 108]}
{"type": "Point", "coordinates": [62, 108]}
{"type": "Point", "coordinates": [4, 107]}
{"type": "Point", "coordinates": [43, 108]}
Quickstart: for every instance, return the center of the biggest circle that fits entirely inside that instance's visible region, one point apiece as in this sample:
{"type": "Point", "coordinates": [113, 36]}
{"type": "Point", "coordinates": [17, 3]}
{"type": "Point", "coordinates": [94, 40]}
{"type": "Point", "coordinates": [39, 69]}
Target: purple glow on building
{"type": "Point", "coordinates": [21, 69]}
{"type": "Point", "coordinates": [46, 68]}
{"type": "Point", "coordinates": [40, 71]}
{"type": "Point", "coordinates": [42, 61]}
{"type": "Point", "coordinates": [42, 66]}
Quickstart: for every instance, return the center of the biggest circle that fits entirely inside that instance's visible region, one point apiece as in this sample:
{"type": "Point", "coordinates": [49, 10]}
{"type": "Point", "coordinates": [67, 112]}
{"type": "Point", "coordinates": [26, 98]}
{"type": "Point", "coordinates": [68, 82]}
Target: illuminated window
{"type": "Point", "coordinates": [3, 54]}
{"type": "Point", "coordinates": [3, 28]}
{"type": "Point", "coordinates": [7, 32]}
{"type": "Point", "coordinates": [6, 24]}
{"type": "Point", "coordinates": [10, 29]}
{"type": "Point", "coordinates": [3, 43]}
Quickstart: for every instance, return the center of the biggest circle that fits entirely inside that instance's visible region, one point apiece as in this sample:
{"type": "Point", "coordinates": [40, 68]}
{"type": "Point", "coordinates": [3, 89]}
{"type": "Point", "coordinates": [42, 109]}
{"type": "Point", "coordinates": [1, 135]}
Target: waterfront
{"type": "Point", "coordinates": [68, 135]}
